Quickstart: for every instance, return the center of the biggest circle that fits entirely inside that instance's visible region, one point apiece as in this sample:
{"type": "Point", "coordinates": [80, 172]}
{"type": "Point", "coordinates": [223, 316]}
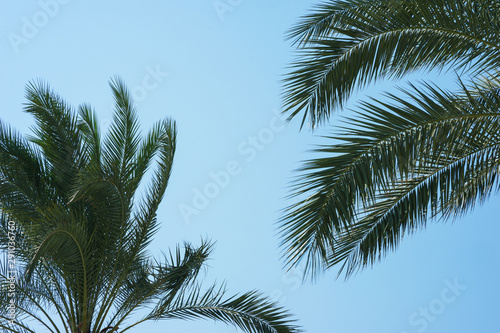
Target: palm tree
{"type": "Point", "coordinates": [75, 229]}
{"type": "Point", "coordinates": [398, 162]}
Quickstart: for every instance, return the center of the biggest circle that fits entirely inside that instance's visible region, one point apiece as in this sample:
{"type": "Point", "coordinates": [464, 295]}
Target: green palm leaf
{"type": "Point", "coordinates": [345, 45]}
{"type": "Point", "coordinates": [395, 166]}
{"type": "Point", "coordinates": [251, 312]}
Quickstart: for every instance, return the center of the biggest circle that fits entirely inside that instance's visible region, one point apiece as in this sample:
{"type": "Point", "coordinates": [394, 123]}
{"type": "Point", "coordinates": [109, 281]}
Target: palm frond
{"type": "Point", "coordinates": [56, 134]}
{"type": "Point", "coordinates": [121, 143]}
{"type": "Point", "coordinates": [23, 176]}
{"type": "Point", "coordinates": [250, 311]}
{"type": "Point", "coordinates": [89, 128]}
{"type": "Point", "coordinates": [345, 45]}
{"type": "Point", "coordinates": [158, 280]}
{"type": "Point", "coordinates": [396, 165]}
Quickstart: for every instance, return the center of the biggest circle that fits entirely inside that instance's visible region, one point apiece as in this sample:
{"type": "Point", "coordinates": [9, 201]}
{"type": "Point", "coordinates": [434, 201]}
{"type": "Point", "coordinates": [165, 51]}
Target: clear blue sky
{"type": "Point", "coordinates": [217, 74]}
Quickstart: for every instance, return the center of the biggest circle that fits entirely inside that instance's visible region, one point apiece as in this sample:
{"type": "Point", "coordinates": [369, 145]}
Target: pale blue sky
{"type": "Point", "coordinates": [216, 74]}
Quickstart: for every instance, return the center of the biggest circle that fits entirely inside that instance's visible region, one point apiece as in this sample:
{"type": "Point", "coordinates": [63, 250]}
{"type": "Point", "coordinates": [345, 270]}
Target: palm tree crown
{"type": "Point", "coordinates": [78, 230]}
{"type": "Point", "coordinates": [400, 161]}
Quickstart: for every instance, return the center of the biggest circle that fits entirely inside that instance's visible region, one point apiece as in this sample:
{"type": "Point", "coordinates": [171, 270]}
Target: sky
{"type": "Point", "coordinates": [214, 66]}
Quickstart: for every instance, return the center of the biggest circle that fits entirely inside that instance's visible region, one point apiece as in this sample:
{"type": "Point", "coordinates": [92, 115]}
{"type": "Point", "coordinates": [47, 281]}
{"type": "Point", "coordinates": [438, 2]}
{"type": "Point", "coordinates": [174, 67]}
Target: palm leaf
{"type": "Point", "coordinates": [345, 45]}
{"type": "Point", "coordinates": [395, 166]}
{"type": "Point", "coordinates": [250, 311]}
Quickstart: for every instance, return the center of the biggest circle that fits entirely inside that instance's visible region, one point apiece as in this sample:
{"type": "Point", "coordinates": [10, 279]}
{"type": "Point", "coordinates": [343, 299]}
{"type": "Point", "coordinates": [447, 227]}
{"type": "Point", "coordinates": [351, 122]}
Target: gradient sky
{"type": "Point", "coordinates": [214, 67]}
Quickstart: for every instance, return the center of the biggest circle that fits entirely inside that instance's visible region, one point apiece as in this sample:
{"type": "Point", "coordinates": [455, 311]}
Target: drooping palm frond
{"type": "Point", "coordinates": [344, 45]}
{"type": "Point", "coordinates": [396, 165]}
{"type": "Point", "coordinates": [152, 282]}
{"type": "Point", "coordinates": [25, 179]}
{"type": "Point", "coordinates": [39, 298]}
{"type": "Point", "coordinates": [251, 312]}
